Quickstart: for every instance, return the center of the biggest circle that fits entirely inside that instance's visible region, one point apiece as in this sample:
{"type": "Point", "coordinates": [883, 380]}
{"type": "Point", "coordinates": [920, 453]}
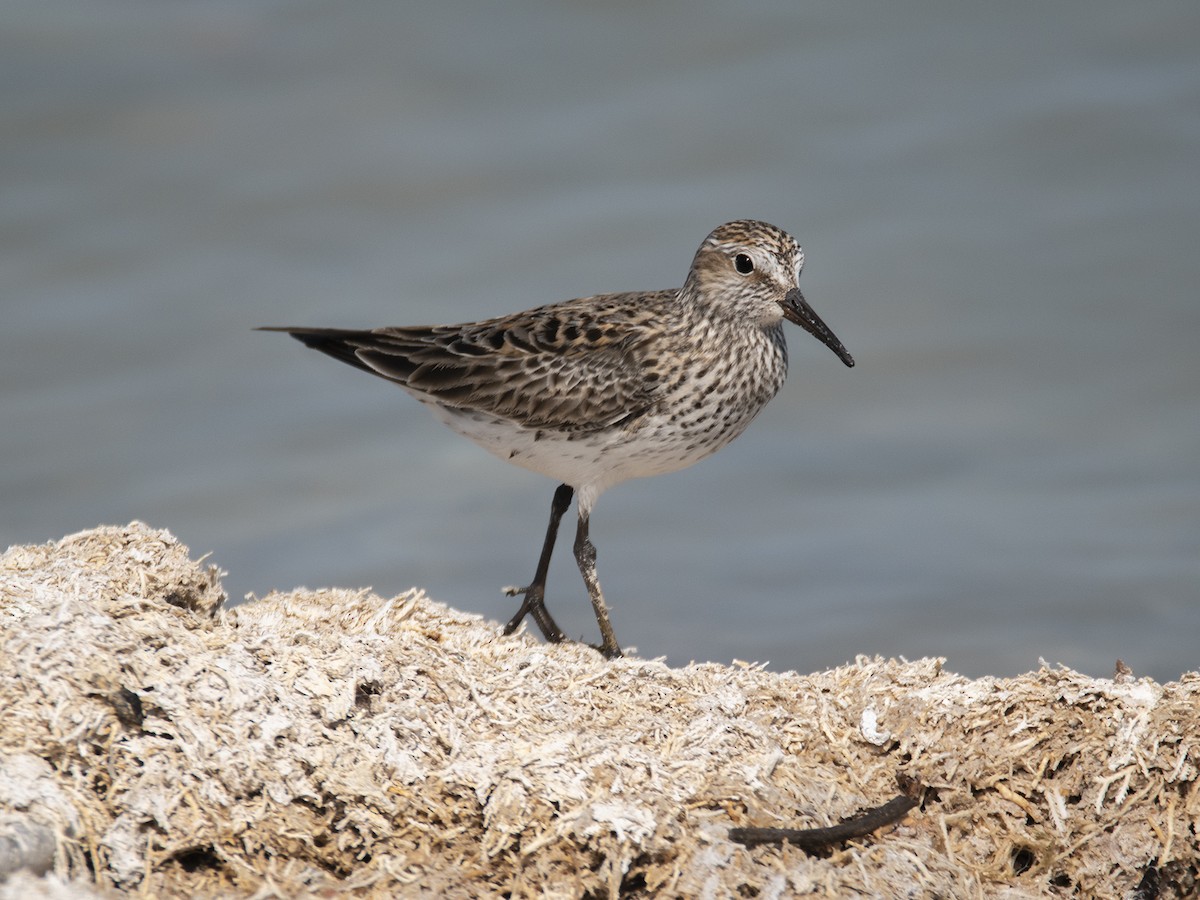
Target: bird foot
{"type": "Point", "coordinates": [533, 605]}
{"type": "Point", "coordinates": [613, 652]}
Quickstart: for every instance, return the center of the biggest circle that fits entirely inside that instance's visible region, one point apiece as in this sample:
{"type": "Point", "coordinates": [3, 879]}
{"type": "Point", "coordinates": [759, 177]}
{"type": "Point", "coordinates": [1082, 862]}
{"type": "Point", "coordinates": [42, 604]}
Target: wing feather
{"type": "Point", "coordinates": [575, 366]}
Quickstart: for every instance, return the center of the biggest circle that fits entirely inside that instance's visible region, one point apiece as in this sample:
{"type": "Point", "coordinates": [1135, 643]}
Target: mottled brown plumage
{"type": "Point", "coordinates": [598, 390]}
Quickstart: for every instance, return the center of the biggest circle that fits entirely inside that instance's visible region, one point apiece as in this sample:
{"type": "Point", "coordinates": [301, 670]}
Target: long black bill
{"type": "Point", "coordinates": [796, 309]}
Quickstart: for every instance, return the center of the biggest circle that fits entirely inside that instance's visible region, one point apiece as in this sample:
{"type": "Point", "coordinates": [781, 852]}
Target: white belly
{"type": "Point", "coordinates": [595, 461]}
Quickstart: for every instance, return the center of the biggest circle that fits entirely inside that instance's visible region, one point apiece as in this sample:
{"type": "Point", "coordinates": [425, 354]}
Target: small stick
{"type": "Point", "coordinates": [812, 840]}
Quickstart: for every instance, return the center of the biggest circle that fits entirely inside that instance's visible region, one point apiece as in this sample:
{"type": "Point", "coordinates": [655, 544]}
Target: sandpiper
{"type": "Point", "coordinates": [595, 391]}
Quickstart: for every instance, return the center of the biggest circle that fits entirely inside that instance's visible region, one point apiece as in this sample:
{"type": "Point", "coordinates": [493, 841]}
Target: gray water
{"type": "Point", "coordinates": [1000, 206]}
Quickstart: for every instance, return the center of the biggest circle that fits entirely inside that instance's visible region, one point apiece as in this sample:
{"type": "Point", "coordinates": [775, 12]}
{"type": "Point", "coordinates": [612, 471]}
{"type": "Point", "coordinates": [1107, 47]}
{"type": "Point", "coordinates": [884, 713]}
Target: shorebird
{"type": "Point", "coordinates": [595, 391]}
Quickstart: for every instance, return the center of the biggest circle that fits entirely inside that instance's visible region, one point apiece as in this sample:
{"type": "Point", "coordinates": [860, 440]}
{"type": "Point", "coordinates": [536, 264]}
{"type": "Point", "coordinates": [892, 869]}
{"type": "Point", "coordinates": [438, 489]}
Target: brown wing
{"type": "Point", "coordinates": [573, 366]}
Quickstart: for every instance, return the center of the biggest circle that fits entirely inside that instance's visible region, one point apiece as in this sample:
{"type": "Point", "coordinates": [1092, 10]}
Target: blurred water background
{"type": "Point", "coordinates": [1000, 206]}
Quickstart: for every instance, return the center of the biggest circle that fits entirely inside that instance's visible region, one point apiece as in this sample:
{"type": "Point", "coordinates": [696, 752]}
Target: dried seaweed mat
{"type": "Point", "coordinates": [339, 743]}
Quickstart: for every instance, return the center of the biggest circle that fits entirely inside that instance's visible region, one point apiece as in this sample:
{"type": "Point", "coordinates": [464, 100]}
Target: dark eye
{"type": "Point", "coordinates": [743, 263]}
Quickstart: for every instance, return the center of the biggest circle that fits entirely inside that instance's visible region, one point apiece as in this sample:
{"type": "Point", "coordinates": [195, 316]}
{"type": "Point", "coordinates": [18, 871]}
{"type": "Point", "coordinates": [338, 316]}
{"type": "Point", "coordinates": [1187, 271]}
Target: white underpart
{"type": "Point", "coordinates": [593, 462]}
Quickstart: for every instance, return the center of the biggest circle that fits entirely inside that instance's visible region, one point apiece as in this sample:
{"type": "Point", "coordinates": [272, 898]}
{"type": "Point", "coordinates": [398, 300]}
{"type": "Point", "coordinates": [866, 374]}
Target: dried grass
{"type": "Point", "coordinates": [339, 743]}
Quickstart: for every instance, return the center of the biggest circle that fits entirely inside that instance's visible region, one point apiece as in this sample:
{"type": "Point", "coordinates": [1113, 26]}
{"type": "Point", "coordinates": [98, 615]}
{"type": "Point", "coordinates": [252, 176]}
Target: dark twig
{"type": "Point", "coordinates": [1148, 887]}
{"type": "Point", "coordinates": [813, 840]}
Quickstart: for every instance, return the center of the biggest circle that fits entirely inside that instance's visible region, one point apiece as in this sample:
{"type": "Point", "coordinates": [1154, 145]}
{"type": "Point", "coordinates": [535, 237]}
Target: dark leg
{"type": "Point", "coordinates": [585, 556]}
{"type": "Point", "coordinates": [534, 602]}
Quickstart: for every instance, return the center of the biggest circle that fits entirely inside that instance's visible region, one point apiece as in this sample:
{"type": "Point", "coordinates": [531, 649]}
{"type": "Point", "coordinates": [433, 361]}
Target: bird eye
{"type": "Point", "coordinates": [743, 263]}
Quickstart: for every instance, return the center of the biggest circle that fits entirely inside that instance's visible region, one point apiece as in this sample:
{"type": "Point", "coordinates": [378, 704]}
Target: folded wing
{"type": "Point", "coordinates": [576, 366]}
